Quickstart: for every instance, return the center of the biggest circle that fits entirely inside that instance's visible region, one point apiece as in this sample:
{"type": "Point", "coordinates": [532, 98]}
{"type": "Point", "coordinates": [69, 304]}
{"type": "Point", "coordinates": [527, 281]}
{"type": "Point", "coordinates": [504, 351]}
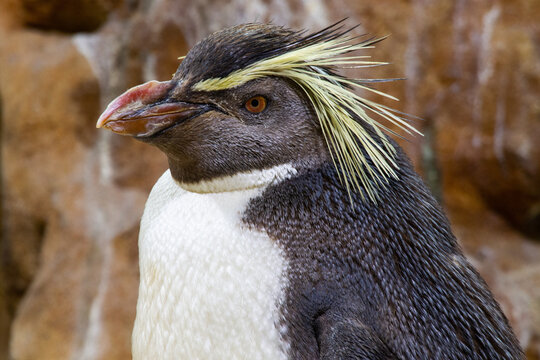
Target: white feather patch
{"type": "Point", "coordinates": [210, 288]}
{"type": "Point", "coordinates": [242, 181]}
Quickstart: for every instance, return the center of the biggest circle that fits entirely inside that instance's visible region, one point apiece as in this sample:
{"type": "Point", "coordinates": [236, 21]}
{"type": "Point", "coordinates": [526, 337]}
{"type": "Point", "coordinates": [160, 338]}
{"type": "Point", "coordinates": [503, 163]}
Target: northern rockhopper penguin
{"type": "Point", "coordinates": [290, 226]}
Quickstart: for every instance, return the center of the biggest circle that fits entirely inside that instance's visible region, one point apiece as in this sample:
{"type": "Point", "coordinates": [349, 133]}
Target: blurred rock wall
{"type": "Point", "coordinates": [72, 196]}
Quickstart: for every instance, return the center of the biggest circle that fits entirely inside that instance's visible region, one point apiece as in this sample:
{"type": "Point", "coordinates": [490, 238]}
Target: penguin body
{"type": "Point", "coordinates": [289, 226]}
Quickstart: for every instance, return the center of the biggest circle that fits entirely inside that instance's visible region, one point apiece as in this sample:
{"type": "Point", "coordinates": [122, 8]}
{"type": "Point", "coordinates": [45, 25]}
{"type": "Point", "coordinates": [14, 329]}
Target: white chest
{"type": "Point", "coordinates": [210, 288]}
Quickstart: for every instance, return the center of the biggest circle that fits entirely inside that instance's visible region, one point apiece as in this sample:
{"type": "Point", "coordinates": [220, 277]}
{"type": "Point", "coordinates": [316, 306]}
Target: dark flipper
{"type": "Point", "coordinates": [349, 338]}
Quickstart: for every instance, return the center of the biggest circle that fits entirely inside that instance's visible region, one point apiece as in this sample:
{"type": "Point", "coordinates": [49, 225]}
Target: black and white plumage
{"type": "Point", "coordinates": [260, 243]}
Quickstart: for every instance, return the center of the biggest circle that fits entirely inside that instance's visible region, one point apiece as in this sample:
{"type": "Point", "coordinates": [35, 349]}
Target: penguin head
{"type": "Point", "coordinates": [205, 134]}
{"type": "Point", "coordinates": [255, 96]}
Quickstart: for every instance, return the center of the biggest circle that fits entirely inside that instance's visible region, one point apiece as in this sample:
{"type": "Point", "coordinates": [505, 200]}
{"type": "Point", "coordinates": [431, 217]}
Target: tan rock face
{"type": "Point", "coordinates": [495, 123]}
{"type": "Point", "coordinates": [69, 16]}
{"type": "Point", "coordinates": [72, 196]}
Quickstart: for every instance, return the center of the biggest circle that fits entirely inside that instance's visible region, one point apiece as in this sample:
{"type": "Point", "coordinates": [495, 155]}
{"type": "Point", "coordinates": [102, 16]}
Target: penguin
{"type": "Point", "coordinates": [289, 225]}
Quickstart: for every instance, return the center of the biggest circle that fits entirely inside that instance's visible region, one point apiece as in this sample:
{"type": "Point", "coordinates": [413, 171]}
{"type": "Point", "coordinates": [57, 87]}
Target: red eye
{"type": "Point", "coordinates": [256, 104]}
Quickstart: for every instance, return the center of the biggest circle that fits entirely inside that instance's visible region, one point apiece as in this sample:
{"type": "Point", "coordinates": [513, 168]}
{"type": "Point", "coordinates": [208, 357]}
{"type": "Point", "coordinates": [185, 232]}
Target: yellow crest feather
{"type": "Point", "coordinates": [338, 109]}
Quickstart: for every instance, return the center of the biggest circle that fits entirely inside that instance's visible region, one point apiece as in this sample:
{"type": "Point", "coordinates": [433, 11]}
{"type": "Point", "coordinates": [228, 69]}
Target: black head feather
{"type": "Point", "coordinates": [242, 45]}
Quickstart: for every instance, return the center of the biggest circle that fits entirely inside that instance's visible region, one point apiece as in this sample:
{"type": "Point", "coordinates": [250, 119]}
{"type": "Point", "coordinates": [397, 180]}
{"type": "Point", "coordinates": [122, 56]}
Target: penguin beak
{"type": "Point", "coordinates": [145, 110]}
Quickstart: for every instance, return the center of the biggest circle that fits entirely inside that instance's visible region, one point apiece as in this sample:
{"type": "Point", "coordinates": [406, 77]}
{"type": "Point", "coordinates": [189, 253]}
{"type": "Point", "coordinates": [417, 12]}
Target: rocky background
{"type": "Point", "coordinates": [72, 196]}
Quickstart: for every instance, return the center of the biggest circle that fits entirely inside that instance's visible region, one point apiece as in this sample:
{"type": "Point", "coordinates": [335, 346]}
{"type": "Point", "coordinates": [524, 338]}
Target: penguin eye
{"type": "Point", "coordinates": [256, 104]}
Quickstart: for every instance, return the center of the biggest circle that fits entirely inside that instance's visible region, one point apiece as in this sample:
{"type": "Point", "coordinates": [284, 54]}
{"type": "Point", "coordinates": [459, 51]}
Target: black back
{"type": "Point", "coordinates": [378, 280]}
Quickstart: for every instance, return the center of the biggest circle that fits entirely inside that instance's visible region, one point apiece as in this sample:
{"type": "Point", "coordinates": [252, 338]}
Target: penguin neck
{"type": "Point", "coordinates": [240, 181]}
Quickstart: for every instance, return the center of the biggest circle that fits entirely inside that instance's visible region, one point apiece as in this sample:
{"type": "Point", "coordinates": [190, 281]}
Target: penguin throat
{"type": "Point", "coordinates": [241, 181]}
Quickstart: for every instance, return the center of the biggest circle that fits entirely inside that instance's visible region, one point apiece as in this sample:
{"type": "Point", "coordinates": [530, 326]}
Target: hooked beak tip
{"type": "Point", "coordinates": [102, 120]}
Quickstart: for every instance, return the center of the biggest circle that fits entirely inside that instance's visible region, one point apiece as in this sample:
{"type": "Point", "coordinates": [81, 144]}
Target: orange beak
{"type": "Point", "coordinates": [145, 110]}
